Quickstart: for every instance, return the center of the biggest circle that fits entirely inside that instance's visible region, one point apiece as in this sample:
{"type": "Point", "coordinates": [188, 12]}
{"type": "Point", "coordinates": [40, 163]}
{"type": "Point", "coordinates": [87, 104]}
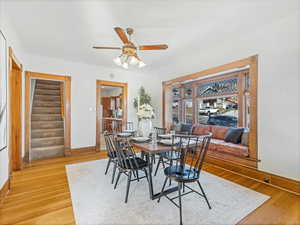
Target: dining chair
{"type": "Point", "coordinates": [186, 169]}
{"type": "Point", "coordinates": [112, 150]}
{"type": "Point", "coordinates": [160, 130]}
{"type": "Point", "coordinates": [130, 164]}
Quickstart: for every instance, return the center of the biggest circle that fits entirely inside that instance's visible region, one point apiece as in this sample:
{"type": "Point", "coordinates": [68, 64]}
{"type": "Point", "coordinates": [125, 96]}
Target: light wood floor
{"type": "Point", "coordinates": [40, 195]}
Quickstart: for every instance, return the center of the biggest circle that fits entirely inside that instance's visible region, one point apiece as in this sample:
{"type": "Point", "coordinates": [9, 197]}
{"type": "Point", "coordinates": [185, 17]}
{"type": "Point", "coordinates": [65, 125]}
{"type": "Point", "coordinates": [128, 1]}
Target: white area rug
{"type": "Point", "coordinates": [95, 202]}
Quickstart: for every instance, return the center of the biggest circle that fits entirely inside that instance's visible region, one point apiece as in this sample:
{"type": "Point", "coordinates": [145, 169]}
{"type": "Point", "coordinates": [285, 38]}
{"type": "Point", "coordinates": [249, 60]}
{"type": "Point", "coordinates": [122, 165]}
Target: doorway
{"type": "Point", "coordinates": [15, 112]}
{"type": "Point", "coordinates": [111, 108]}
{"type": "Point", "coordinates": [47, 116]}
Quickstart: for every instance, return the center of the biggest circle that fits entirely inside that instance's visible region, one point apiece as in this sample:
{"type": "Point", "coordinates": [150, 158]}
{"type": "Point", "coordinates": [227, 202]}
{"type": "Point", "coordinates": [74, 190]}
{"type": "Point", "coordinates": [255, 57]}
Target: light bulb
{"type": "Point", "coordinates": [133, 60]}
{"type": "Point", "coordinates": [141, 64]}
{"type": "Point", "coordinates": [117, 61]}
{"type": "Point", "coordinates": [125, 65]}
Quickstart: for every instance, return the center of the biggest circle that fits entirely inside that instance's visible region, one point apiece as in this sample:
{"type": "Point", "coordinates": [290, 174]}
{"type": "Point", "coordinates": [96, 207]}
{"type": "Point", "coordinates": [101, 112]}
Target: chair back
{"type": "Point", "coordinates": [160, 130]}
{"type": "Point", "coordinates": [192, 151]}
{"type": "Point", "coordinates": [126, 157]}
{"type": "Point", "coordinates": [110, 144]}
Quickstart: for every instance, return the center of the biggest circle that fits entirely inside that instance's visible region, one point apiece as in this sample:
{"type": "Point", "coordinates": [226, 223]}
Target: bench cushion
{"type": "Point", "coordinates": [219, 132]}
{"type": "Point", "coordinates": [227, 147]}
{"type": "Point", "coordinates": [200, 129]}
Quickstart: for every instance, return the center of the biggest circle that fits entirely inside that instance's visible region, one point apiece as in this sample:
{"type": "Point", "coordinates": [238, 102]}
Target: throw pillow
{"type": "Point", "coordinates": [185, 127]}
{"type": "Point", "coordinates": [234, 135]}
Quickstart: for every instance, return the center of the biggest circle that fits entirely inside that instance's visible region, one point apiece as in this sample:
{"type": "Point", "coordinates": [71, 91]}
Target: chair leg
{"type": "Point", "coordinates": [162, 190]}
{"type": "Point", "coordinates": [114, 172]}
{"type": "Point", "coordinates": [128, 186]}
{"type": "Point", "coordinates": [204, 194]}
{"type": "Point", "coordinates": [146, 174]}
{"type": "Point", "coordinates": [108, 164]}
{"type": "Point", "coordinates": [180, 206]}
{"type": "Point", "coordinates": [183, 188]}
{"type": "Point", "coordinates": [137, 175]}
{"type": "Point", "coordinates": [171, 164]}
{"type": "Point", "coordinates": [118, 178]}
{"type": "Point", "coordinates": [159, 161]}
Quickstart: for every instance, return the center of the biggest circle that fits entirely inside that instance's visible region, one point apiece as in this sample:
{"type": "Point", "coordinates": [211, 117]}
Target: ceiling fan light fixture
{"type": "Point", "coordinates": [133, 60]}
{"type": "Point", "coordinates": [118, 61]}
{"type": "Point", "coordinates": [125, 65]}
{"type": "Point", "coordinates": [141, 64]}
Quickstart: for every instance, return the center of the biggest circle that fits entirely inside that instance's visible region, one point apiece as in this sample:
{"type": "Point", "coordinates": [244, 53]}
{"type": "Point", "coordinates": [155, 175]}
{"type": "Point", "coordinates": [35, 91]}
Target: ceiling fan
{"type": "Point", "coordinates": [129, 49]}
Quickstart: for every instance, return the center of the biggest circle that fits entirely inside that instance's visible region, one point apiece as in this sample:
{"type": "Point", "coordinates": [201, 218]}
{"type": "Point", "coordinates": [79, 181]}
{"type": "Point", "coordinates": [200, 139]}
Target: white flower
{"type": "Point", "coordinates": [145, 111]}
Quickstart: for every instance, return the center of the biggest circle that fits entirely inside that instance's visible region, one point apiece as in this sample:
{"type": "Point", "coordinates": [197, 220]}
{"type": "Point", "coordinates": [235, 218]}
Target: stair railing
{"type": "Point", "coordinates": [62, 96]}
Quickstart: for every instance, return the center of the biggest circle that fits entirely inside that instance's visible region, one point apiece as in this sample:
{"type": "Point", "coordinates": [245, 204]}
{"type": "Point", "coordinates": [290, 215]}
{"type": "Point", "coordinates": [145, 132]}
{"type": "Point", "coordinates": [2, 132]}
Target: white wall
{"type": "Point", "coordinates": [13, 41]}
{"type": "Point", "coordinates": [83, 91]}
{"type": "Point", "coordinates": [278, 46]}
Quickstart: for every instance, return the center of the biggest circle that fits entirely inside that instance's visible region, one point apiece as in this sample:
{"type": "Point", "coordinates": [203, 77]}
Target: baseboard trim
{"type": "Point", "coordinates": [280, 182]}
{"type": "Point", "coordinates": [83, 150]}
{"type": "Point", "coordinates": [4, 190]}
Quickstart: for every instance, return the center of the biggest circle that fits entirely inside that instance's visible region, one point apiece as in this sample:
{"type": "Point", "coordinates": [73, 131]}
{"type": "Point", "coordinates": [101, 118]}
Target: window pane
{"type": "Point", "coordinates": [176, 93]}
{"type": "Point", "coordinates": [247, 110]}
{"type": "Point", "coordinates": [188, 92]}
{"type": "Point", "coordinates": [212, 88]}
{"type": "Point", "coordinates": [222, 111]}
{"type": "Point", "coordinates": [175, 111]}
{"type": "Point", "coordinates": [188, 111]}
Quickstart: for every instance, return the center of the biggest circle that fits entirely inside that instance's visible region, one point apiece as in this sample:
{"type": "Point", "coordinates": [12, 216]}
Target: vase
{"type": "Point", "coordinates": [145, 127]}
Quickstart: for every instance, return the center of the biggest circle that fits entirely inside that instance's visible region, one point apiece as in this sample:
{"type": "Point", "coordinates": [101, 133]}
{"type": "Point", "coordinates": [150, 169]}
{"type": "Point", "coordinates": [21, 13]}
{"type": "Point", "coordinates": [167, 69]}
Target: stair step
{"type": "Point", "coordinates": [47, 124]}
{"type": "Point", "coordinates": [46, 117]}
{"type": "Point", "coordinates": [42, 133]}
{"type": "Point", "coordinates": [47, 86]}
{"type": "Point", "coordinates": [47, 152]}
{"type": "Point", "coordinates": [39, 91]}
{"type": "Point", "coordinates": [46, 104]}
{"type": "Point", "coordinates": [46, 98]}
{"type": "Point", "coordinates": [52, 82]}
{"type": "Point", "coordinates": [46, 141]}
{"type": "Point", "coordinates": [47, 110]}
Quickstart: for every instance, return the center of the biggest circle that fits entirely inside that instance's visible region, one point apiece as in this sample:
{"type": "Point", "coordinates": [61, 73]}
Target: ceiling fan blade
{"type": "Point", "coordinates": [153, 47]}
{"type": "Point", "coordinates": [97, 47]}
{"type": "Point", "coordinates": [122, 34]}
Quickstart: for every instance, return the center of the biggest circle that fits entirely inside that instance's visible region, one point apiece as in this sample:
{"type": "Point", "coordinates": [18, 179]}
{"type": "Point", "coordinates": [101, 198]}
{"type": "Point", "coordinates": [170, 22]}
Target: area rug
{"type": "Point", "coordinates": [96, 202]}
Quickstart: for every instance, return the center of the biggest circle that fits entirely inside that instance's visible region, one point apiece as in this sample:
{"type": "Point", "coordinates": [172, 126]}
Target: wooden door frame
{"type": "Point", "coordinates": [99, 84]}
{"type": "Point", "coordinates": [15, 132]}
{"type": "Point", "coordinates": [67, 108]}
{"type": "Point", "coordinates": [252, 62]}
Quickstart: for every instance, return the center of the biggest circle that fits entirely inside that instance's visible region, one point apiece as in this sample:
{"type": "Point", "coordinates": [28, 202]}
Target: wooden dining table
{"type": "Point", "coordinates": [149, 150]}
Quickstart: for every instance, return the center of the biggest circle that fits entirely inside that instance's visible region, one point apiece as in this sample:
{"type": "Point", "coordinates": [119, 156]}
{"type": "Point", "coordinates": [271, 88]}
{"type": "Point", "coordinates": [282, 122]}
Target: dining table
{"type": "Point", "coordinates": [149, 150]}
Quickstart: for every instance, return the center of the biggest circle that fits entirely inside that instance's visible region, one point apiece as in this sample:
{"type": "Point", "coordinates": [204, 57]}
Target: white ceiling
{"type": "Point", "coordinates": [68, 29]}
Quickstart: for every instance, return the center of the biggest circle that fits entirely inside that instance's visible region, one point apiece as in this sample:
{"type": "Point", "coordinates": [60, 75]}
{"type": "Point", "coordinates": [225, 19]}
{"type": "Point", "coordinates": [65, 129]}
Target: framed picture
{"type": "Point", "coordinates": [3, 92]}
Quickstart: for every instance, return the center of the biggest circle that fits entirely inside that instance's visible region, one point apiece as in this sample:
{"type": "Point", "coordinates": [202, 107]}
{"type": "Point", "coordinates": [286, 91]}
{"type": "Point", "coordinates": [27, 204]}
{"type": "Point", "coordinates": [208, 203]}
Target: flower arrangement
{"type": "Point", "coordinates": [145, 111]}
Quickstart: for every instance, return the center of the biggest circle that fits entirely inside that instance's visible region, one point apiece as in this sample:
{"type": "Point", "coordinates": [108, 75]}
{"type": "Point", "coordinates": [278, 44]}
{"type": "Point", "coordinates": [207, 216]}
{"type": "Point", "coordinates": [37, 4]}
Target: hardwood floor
{"type": "Point", "coordinates": [40, 195]}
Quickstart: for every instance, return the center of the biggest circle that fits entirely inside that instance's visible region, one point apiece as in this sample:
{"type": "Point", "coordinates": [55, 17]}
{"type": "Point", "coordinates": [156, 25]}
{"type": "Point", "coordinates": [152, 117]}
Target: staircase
{"type": "Point", "coordinates": [47, 125]}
